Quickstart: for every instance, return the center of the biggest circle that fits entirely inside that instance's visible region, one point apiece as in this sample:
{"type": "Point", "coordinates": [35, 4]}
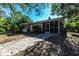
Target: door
{"type": "Point", "coordinates": [47, 28]}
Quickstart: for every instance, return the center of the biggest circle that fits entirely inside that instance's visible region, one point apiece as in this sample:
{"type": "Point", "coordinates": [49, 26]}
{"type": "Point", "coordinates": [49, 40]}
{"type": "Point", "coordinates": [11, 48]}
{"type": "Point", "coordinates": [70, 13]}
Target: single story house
{"type": "Point", "coordinates": [54, 26]}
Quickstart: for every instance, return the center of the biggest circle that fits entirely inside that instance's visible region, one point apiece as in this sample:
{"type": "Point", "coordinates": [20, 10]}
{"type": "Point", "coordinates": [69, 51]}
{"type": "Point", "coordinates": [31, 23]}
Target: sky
{"type": "Point", "coordinates": [44, 15]}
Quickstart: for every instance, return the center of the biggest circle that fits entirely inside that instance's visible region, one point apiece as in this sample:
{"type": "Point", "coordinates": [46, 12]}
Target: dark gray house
{"type": "Point", "coordinates": [54, 26]}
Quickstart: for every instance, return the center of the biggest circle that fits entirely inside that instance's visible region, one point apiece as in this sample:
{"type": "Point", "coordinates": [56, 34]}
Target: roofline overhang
{"type": "Point", "coordinates": [43, 21]}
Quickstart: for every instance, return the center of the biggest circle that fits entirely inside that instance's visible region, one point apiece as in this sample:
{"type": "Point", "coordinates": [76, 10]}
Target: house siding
{"type": "Point", "coordinates": [56, 27]}
{"type": "Point", "coordinates": [53, 27]}
{"type": "Point", "coordinates": [61, 26]}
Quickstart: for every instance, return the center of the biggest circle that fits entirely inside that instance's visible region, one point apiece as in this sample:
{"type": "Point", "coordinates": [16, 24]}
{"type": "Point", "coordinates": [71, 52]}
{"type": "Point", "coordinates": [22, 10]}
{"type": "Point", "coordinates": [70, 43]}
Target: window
{"type": "Point", "coordinates": [54, 27]}
{"type": "Point", "coordinates": [56, 24]}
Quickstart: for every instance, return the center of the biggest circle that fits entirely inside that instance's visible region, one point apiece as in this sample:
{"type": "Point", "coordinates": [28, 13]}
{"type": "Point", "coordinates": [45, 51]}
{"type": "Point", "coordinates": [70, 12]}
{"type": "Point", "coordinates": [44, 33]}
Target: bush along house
{"type": "Point", "coordinates": [54, 26]}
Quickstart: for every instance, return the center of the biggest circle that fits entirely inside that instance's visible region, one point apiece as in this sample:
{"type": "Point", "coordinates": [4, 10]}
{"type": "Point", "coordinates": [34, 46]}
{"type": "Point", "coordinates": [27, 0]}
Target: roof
{"type": "Point", "coordinates": [48, 20]}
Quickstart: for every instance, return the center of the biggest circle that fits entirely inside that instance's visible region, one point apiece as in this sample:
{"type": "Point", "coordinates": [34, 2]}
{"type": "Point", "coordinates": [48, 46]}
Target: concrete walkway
{"type": "Point", "coordinates": [13, 47]}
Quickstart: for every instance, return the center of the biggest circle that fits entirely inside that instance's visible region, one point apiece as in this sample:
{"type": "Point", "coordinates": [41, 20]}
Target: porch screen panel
{"type": "Point", "coordinates": [54, 27]}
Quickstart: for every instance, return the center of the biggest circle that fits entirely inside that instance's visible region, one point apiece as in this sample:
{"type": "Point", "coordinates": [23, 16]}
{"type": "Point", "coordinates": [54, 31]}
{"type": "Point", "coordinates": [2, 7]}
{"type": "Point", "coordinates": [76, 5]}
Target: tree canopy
{"type": "Point", "coordinates": [65, 9]}
{"type": "Point", "coordinates": [69, 11]}
{"type": "Point", "coordinates": [25, 7]}
{"type": "Point", "coordinates": [19, 16]}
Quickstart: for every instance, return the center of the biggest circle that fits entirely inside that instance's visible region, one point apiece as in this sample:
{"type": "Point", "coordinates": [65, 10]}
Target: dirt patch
{"type": "Point", "coordinates": [4, 38]}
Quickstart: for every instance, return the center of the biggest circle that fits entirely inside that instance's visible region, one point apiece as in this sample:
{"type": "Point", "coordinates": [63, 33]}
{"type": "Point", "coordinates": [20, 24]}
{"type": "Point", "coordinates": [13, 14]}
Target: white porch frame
{"type": "Point", "coordinates": [53, 27]}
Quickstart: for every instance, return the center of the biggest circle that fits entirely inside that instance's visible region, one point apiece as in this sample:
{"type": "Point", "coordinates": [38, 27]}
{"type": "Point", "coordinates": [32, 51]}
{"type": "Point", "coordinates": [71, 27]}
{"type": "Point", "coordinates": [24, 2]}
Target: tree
{"type": "Point", "coordinates": [2, 21]}
{"type": "Point", "coordinates": [18, 17]}
{"type": "Point", "coordinates": [69, 11]}
{"type": "Point", "coordinates": [15, 23]}
{"type": "Point", "coordinates": [25, 7]}
{"type": "Point", "coordinates": [65, 9]}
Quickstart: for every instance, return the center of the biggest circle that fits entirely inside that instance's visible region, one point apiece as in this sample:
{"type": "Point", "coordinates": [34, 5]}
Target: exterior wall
{"type": "Point", "coordinates": [56, 27]}
{"type": "Point", "coordinates": [31, 28]}
{"type": "Point", "coordinates": [53, 26]}
{"type": "Point", "coordinates": [41, 26]}
{"type": "Point", "coordinates": [26, 27]}
{"type": "Point", "coordinates": [61, 26]}
{"type": "Point", "coordinates": [36, 28]}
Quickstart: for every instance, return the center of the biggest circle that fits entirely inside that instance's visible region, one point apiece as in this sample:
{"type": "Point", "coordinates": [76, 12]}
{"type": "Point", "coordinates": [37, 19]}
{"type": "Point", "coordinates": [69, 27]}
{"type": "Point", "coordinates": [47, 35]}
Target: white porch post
{"type": "Point", "coordinates": [41, 25]}
{"type": "Point", "coordinates": [58, 26]}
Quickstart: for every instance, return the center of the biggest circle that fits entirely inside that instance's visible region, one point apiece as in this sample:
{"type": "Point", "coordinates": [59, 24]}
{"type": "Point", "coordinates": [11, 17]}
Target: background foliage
{"type": "Point", "coordinates": [13, 23]}
{"type": "Point", "coordinates": [70, 11]}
